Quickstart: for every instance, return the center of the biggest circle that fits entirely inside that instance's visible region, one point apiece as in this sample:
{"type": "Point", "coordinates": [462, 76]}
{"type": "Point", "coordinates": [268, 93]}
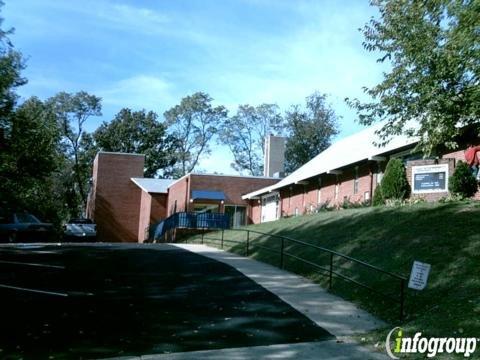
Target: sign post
{"type": "Point", "coordinates": [419, 275]}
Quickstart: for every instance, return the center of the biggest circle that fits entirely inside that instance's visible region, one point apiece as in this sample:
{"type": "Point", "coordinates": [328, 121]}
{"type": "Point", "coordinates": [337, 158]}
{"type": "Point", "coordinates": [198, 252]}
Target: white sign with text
{"type": "Point", "coordinates": [419, 275]}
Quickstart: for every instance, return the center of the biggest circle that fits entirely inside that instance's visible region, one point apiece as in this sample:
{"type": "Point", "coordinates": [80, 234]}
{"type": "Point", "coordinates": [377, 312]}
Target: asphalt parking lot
{"type": "Point", "coordinates": [97, 301]}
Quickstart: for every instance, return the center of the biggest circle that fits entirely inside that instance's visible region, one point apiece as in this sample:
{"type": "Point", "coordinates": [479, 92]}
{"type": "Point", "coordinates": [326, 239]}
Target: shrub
{"type": "Point", "coordinates": [325, 206]}
{"type": "Point", "coordinates": [348, 204]}
{"type": "Point", "coordinates": [462, 182]}
{"type": "Point", "coordinates": [394, 183]}
{"type": "Point", "coordinates": [378, 199]}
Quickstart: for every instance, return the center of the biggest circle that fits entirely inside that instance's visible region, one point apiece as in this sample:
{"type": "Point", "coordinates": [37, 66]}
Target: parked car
{"type": "Point", "coordinates": [24, 227]}
{"type": "Point", "coordinates": [80, 230]}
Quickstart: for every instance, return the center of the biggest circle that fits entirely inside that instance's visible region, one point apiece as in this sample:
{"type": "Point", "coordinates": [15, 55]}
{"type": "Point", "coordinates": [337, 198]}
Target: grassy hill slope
{"type": "Point", "coordinates": [445, 235]}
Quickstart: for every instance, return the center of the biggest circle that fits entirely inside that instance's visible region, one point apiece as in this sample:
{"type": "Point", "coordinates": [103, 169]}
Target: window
{"type": "Point", "coordinates": [206, 208]}
{"type": "Point", "coordinates": [237, 215]}
{"type": "Point", "coordinates": [355, 182]}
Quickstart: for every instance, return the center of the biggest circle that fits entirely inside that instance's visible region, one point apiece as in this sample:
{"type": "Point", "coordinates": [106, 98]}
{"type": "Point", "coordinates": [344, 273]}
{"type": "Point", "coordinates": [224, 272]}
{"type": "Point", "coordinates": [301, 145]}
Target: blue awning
{"type": "Point", "coordinates": [207, 195]}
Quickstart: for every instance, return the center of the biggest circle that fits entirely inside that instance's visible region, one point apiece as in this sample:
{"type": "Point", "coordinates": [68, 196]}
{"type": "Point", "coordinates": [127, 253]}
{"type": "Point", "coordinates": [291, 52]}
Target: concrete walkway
{"type": "Point", "coordinates": [339, 317]}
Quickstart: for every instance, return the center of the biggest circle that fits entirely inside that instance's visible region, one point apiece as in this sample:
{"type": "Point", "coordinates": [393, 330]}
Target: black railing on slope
{"type": "Point", "coordinates": [331, 269]}
{"type": "Point", "coordinates": [188, 220]}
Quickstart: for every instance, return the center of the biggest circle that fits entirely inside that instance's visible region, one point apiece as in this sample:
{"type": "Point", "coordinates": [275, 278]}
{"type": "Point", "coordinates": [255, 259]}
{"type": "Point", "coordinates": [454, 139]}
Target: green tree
{"type": "Point", "coordinates": [310, 131]}
{"type": "Point", "coordinates": [32, 163]}
{"type": "Point", "coordinates": [245, 133]}
{"type": "Point", "coordinates": [139, 132]}
{"type": "Point", "coordinates": [394, 184]}
{"type": "Point", "coordinates": [194, 122]}
{"type": "Point", "coordinates": [433, 49]}
{"type": "Point", "coordinates": [462, 182]}
{"type": "Point", "coordinates": [11, 66]}
{"type": "Point", "coordinates": [72, 111]}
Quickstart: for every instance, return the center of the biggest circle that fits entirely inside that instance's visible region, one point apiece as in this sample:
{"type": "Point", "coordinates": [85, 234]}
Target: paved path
{"type": "Point", "coordinates": [324, 350]}
{"type": "Point", "coordinates": [337, 316]}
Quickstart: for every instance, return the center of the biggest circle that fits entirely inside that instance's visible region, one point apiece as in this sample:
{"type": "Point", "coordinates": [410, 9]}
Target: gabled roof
{"type": "Point", "coordinates": [158, 186]}
{"type": "Point", "coordinates": [347, 151]}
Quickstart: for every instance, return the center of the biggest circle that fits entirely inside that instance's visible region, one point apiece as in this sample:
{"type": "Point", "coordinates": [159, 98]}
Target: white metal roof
{"type": "Point", "coordinates": [153, 185]}
{"type": "Point", "coordinates": [349, 150]}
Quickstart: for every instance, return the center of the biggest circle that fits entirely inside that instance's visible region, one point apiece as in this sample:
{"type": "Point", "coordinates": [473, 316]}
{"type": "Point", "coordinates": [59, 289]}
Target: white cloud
{"type": "Point", "coordinates": [138, 92]}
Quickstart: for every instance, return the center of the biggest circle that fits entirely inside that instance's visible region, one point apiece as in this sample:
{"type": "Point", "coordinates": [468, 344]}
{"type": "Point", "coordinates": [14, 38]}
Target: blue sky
{"type": "Point", "coordinates": [150, 54]}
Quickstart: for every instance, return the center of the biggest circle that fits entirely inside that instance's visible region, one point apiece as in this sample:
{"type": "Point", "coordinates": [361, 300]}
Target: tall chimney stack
{"type": "Point", "coordinates": [274, 162]}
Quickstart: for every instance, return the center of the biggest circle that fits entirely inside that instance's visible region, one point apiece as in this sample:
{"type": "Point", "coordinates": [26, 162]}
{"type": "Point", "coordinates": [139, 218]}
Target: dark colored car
{"type": "Point", "coordinates": [80, 230]}
{"type": "Point", "coordinates": [24, 227]}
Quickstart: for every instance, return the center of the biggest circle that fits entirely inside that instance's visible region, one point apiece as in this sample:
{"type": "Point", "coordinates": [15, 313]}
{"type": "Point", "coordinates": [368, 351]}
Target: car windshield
{"type": "Point", "coordinates": [26, 218]}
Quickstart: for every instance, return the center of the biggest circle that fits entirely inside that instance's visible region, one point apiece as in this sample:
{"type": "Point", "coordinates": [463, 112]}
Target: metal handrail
{"type": "Point", "coordinates": [188, 220]}
{"type": "Point", "coordinates": [329, 270]}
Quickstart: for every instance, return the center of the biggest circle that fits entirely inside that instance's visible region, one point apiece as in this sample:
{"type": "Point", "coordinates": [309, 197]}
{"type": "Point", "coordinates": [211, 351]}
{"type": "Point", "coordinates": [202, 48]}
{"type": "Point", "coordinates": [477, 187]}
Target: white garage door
{"type": "Point", "coordinates": [270, 205]}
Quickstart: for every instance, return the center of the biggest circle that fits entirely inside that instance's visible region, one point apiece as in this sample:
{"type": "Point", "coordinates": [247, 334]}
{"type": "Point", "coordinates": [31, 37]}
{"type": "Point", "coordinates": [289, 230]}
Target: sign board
{"type": "Point", "coordinates": [430, 178]}
{"type": "Point", "coordinates": [419, 275]}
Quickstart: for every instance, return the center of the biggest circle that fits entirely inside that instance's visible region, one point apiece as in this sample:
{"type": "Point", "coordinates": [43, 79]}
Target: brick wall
{"type": "Point", "coordinates": [232, 186]}
{"type": "Point", "coordinates": [254, 212]}
{"type": "Point", "coordinates": [178, 196]}
{"type": "Point", "coordinates": [309, 196]}
{"type": "Point", "coordinates": [159, 207]}
{"type": "Point", "coordinates": [153, 208]}
{"type": "Point", "coordinates": [115, 198]}
{"type": "Point", "coordinates": [144, 216]}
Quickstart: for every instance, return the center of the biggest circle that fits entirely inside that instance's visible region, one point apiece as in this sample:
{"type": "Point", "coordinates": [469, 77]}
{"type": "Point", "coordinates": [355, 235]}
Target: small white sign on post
{"type": "Point", "coordinates": [419, 275]}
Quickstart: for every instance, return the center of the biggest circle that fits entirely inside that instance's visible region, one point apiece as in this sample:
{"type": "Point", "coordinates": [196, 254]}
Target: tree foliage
{"type": "Point", "coordinates": [394, 185]}
{"type": "Point", "coordinates": [244, 133]}
{"type": "Point", "coordinates": [462, 182]}
{"type": "Point", "coordinates": [11, 66]}
{"type": "Point", "coordinates": [72, 111]}
{"type": "Point", "coordinates": [433, 48]}
{"type": "Point", "coordinates": [194, 122]}
{"type": "Point", "coordinates": [310, 131]}
{"type": "Point", "coordinates": [378, 196]}
{"type": "Point", "coordinates": [139, 132]}
{"type": "Point", "coordinates": [31, 164]}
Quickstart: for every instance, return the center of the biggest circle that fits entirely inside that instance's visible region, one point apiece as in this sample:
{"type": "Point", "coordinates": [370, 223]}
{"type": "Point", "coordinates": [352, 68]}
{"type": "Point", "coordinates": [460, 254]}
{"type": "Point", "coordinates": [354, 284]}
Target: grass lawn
{"type": "Point", "coordinates": [447, 236]}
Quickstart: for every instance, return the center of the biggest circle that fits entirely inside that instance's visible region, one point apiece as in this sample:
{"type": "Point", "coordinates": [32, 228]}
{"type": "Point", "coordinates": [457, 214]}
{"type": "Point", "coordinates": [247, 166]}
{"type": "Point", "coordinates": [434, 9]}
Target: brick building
{"type": "Point", "coordinates": [350, 170]}
{"type": "Point", "coordinates": [124, 204]}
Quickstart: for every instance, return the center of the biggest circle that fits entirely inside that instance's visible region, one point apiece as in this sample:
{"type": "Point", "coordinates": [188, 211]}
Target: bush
{"type": "Point", "coordinates": [348, 204]}
{"type": "Point", "coordinates": [462, 182]}
{"type": "Point", "coordinates": [394, 183]}
{"type": "Point", "coordinates": [378, 199]}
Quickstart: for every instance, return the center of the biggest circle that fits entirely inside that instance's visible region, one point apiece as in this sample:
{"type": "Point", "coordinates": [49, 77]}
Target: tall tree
{"type": "Point", "coordinates": [245, 133]}
{"type": "Point", "coordinates": [311, 130]}
{"type": "Point", "coordinates": [194, 122]}
{"type": "Point", "coordinates": [72, 111]}
{"type": "Point", "coordinates": [433, 48]}
{"type": "Point", "coordinates": [32, 163]}
{"type": "Point", "coordinates": [11, 66]}
{"type": "Point", "coordinates": [140, 132]}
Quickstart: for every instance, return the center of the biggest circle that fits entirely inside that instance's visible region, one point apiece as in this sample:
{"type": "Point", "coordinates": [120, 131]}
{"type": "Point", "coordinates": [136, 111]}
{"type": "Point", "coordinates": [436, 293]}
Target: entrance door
{"type": "Point", "coordinates": [270, 204]}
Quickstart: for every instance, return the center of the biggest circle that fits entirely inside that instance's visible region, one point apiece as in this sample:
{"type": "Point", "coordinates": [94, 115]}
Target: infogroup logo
{"type": "Point", "coordinates": [430, 346]}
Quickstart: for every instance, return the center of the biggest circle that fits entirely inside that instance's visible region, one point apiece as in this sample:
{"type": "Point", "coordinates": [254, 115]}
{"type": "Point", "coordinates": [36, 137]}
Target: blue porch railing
{"type": "Point", "coordinates": [188, 220]}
